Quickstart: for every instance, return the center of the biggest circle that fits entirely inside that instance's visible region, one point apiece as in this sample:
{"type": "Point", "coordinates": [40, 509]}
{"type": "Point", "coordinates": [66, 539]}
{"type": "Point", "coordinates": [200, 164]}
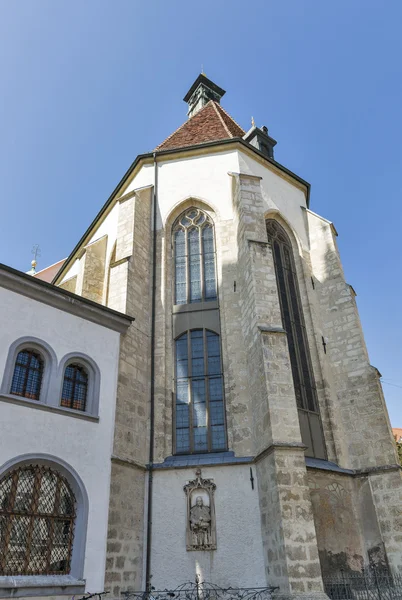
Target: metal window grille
{"type": "Point", "coordinates": [200, 412]}
{"type": "Point", "coordinates": [27, 376]}
{"type": "Point", "coordinates": [293, 323]}
{"type": "Point", "coordinates": [194, 258]}
{"type": "Point", "coordinates": [75, 387]}
{"type": "Point", "coordinates": [37, 517]}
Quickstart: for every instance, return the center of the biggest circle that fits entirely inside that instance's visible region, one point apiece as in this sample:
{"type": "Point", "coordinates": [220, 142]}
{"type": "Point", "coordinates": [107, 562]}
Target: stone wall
{"type": "Point", "coordinates": [129, 290]}
{"type": "Point", "coordinates": [94, 270]}
{"type": "Point", "coordinates": [290, 546]}
{"type": "Point", "coordinates": [355, 382]}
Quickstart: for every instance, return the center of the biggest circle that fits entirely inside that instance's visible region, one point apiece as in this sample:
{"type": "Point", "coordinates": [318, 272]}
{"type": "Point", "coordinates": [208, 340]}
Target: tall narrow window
{"type": "Point", "coordinates": [27, 376]}
{"type": "Point", "coordinates": [200, 419]}
{"type": "Point", "coordinates": [37, 516]}
{"type": "Point", "coordinates": [194, 252]}
{"type": "Point", "coordinates": [75, 387]}
{"type": "Point", "coordinates": [293, 323]}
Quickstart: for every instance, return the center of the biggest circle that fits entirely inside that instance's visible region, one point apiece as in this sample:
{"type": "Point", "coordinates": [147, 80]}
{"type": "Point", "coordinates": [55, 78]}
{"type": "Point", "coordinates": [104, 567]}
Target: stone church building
{"type": "Point", "coordinates": [191, 388]}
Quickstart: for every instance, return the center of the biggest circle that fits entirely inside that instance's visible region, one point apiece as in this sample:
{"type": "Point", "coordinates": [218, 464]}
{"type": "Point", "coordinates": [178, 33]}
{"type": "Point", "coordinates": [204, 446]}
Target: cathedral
{"type": "Point", "coordinates": [188, 396]}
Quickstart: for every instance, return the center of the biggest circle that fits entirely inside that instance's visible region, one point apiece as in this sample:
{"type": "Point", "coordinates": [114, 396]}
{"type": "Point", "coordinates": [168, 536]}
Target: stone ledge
{"type": "Point", "coordinates": [60, 410]}
{"type": "Point", "coordinates": [215, 459]}
{"type": "Point", "coordinates": [24, 586]}
{"type": "Point", "coordinates": [279, 446]}
{"type": "Point", "coordinates": [128, 462]}
{"type": "Point", "coordinates": [326, 465]}
{"type": "Point", "coordinates": [249, 175]}
{"type": "Point", "coordinates": [268, 329]}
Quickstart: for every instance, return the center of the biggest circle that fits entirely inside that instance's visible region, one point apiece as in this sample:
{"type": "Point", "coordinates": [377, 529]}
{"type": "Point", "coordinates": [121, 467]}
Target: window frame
{"type": "Point", "coordinates": [75, 383]}
{"type": "Point", "coordinates": [54, 585]}
{"type": "Point", "coordinates": [49, 359]}
{"type": "Point", "coordinates": [206, 377]}
{"type": "Point", "coordinates": [27, 370]}
{"type": "Point", "coordinates": [93, 383]}
{"type": "Point", "coordinates": [177, 226]}
{"type": "Point", "coordinates": [33, 514]}
{"type": "Point", "coordinates": [52, 379]}
{"type": "Point", "coordinates": [304, 408]}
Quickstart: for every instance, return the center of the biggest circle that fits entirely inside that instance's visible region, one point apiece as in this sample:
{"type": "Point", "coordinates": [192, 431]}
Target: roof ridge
{"type": "Point", "coordinates": [221, 120]}
{"type": "Point", "coordinates": [231, 118]}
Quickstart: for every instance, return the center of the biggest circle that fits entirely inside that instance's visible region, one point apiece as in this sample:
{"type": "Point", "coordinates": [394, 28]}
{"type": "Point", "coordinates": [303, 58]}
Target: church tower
{"type": "Point", "coordinates": [252, 445]}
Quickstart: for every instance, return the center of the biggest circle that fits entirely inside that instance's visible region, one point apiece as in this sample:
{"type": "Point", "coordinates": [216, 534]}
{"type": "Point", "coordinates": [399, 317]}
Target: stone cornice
{"type": "Point", "coordinates": [41, 291]}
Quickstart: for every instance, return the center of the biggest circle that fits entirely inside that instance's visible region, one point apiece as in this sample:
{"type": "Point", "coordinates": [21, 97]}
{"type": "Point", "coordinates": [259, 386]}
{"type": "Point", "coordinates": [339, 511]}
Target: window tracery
{"type": "Point", "coordinates": [194, 252]}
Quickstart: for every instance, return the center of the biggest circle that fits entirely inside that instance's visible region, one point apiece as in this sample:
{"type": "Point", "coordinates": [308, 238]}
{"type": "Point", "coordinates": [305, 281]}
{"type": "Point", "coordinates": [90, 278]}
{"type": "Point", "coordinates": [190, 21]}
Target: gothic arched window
{"type": "Point", "coordinates": [199, 414]}
{"type": "Point", "coordinates": [75, 387]}
{"type": "Point", "coordinates": [194, 254]}
{"type": "Point", "coordinates": [37, 517]}
{"type": "Point", "coordinates": [27, 376]}
{"type": "Point", "coordinates": [293, 323]}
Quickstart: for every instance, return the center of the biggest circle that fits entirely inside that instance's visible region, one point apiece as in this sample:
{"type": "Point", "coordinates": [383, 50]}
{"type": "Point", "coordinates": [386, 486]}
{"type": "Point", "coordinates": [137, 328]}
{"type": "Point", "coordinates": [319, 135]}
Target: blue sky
{"type": "Point", "coordinates": [86, 86]}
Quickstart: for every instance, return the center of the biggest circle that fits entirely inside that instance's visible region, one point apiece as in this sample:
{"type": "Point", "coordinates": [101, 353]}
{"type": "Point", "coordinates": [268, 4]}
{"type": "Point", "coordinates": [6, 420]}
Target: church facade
{"type": "Point", "coordinates": [236, 446]}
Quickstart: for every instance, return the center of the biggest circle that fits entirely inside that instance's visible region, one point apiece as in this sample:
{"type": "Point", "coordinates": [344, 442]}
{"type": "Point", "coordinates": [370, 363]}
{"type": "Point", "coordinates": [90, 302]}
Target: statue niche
{"type": "Point", "coordinates": [200, 529]}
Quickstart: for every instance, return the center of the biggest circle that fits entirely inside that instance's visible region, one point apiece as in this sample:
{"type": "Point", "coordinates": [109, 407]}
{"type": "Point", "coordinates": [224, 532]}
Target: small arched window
{"type": "Point", "coordinates": [194, 255]}
{"type": "Point", "coordinates": [293, 323]}
{"type": "Point", "coordinates": [37, 518]}
{"type": "Point", "coordinates": [200, 413]}
{"type": "Point", "coordinates": [75, 387]}
{"type": "Point", "coordinates": [27, 375]}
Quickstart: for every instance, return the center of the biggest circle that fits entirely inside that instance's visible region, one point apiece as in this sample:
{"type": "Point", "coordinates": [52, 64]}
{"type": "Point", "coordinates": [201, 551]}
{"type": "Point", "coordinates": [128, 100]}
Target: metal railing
{"type": "Point", "coordinates": [203, 591]}
{"type": "Point", "coordinates": [368, 585]}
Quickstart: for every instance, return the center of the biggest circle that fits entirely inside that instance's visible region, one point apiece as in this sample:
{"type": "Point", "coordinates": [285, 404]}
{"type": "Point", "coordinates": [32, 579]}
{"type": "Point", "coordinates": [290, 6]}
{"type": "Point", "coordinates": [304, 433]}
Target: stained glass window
{"type": "Point", "coordinates": [37, 516]}
{"type": "Point", "coordinates": [194, 255]}
{"type": "Point", "coordinates": [200, 415]}
{"type": "Point", "coordinates": [27, 376]}
{"type": "Point", "coordinates": [75, 387]}
{"type": "Point", "coordinates": [293, 323]}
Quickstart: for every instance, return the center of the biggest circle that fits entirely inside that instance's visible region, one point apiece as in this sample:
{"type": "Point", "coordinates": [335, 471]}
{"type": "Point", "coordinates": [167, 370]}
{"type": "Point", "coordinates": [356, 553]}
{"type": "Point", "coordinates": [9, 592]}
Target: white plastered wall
{"type": "Point", "coordinates": [85, 445]}
{"type": "Point", "coordinates": [238, 559]}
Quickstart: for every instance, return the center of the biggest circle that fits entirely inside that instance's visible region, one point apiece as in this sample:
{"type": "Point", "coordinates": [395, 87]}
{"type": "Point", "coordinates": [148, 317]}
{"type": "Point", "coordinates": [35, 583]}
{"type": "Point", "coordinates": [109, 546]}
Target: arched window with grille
{"type": "Point", "coordinates": [75, 387]}
{"type": "Point", "coordinates": [293, 323]}
{"type": "Point", "coordinates": [194, 253]}
{"type": "Point", "coordinates": [199, 414]}
{"type": "Point", "coordinates": [27, 375]}
{"type": "Point", "coordinates": [37, 519]}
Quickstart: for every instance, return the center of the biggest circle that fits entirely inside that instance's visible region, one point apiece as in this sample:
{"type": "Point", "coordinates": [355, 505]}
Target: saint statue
{"type": "Point", "coordinates": [200, 523]}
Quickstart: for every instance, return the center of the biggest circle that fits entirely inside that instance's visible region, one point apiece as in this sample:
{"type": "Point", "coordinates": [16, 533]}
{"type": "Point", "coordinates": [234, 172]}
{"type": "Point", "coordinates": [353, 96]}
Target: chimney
{"type": "Point", "coordinates": [202, 91]}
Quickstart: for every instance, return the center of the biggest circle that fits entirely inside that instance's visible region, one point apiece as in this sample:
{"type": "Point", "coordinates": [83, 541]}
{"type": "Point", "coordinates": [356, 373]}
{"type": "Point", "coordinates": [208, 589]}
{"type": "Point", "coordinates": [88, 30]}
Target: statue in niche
{"type": "Point", "coordinates": [200, 523]}
{"type": "Point", "coordinates": [200, 530]}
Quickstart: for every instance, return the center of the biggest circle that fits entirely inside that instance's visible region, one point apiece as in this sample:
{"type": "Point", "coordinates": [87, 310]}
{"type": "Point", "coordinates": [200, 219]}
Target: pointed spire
{"type": "Point", "coordinates": [201, 92]}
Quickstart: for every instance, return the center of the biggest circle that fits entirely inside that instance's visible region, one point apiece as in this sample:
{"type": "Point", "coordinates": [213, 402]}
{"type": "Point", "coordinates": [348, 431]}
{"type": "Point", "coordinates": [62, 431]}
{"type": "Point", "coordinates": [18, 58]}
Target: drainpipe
{"type": "Point", "coordinates": [148, 574]}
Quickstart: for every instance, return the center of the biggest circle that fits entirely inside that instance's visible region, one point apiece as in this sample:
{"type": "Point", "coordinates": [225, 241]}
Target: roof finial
{"type": "Point", "coordinates": [202, 69]}
{"type": "Point", "coordinates": [36, 252]}
{"type": "Point", "coordinates": [252, 122]}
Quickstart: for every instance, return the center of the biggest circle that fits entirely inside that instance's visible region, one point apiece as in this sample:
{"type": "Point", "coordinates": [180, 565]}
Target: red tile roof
{"type": "Point", "coordinates": [210, 124]}
{"type": "Point", "coordinates": [50, 272]}
{"type": "Point", "coordinates": [397, 433]}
